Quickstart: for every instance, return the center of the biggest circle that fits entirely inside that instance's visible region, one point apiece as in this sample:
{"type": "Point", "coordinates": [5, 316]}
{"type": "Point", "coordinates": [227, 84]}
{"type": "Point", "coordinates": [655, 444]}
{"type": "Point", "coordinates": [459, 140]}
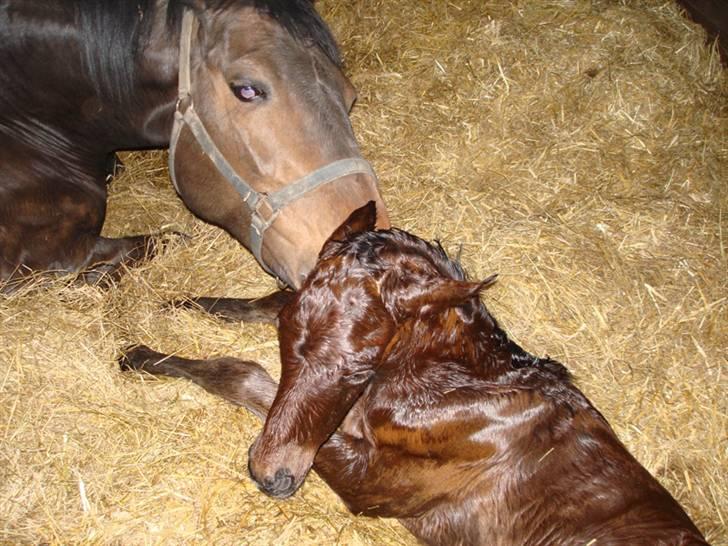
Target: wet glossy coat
{"type": "Point", "coordinates": [406, 396]}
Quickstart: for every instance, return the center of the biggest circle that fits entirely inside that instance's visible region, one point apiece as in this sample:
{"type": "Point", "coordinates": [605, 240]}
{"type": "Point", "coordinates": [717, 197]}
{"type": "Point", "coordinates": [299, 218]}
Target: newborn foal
{"type": "Point", "coordinates": [409, 400]}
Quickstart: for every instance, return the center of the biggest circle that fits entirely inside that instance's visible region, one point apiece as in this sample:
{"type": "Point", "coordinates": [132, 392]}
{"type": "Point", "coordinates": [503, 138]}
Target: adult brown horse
{"type": "Point", "coordinates": [249, 95]}
{"type": "Point", "coordinates": [405, 395]}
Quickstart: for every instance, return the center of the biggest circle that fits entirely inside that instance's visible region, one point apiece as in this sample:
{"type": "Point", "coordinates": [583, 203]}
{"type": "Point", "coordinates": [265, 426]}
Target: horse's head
{"type": "Point", "coordinates": [262, 143]}
{"type": "Point", "coordinates": [335, 334]}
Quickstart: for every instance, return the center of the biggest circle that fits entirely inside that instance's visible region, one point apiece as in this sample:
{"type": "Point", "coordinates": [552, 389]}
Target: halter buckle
{"type": "Point", "coordinates": [266, 212]}
{"type": "Point", "coordinates": [183, 103]}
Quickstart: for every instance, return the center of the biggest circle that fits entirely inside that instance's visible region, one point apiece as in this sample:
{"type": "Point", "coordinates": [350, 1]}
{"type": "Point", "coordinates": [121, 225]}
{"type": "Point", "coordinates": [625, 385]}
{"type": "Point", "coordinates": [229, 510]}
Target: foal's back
{"type": "Point", "coordinates": [490, 444]}
{"type": "Point", "coordinates": [502, 453]}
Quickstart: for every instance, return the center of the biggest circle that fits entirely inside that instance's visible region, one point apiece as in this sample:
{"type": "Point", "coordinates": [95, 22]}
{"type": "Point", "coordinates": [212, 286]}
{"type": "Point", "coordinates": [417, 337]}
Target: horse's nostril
{"type": "Point", "coordinates": [281, 485]}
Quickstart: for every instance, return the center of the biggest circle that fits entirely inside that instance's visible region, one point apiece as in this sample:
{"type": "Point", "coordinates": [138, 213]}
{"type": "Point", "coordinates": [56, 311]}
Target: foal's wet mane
{"type": "Point", "coordinates": [501, 363]}
{"type": "Point", "coordinates": [112, 34]}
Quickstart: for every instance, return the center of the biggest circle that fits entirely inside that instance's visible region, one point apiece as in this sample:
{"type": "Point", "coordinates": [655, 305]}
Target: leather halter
{"type": "Point", "coordinates": [264, 207]}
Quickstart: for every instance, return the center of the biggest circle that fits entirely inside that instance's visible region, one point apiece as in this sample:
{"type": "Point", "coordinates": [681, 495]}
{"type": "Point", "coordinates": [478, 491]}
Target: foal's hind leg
{"type": "Point", "coordinates": [263, 309]}
{"type": "Point", "coordinates": [242, 382]}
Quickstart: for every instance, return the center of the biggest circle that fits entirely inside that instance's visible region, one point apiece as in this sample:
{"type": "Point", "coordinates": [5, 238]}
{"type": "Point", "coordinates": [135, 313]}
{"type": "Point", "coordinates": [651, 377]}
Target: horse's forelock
{"type": "Point", "coordinates": [302, 20]}
{"type": "Point", "coordinates": [298, 17]}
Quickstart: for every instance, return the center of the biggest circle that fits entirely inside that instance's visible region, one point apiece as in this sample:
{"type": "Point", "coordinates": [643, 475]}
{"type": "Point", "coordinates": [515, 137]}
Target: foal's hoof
{"type": "Point", "coordinates": [138, 358]}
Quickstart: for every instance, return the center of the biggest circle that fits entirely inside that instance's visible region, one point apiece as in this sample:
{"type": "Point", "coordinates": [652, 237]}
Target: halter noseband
{"type": "Point", "coordinates": [263, 207]}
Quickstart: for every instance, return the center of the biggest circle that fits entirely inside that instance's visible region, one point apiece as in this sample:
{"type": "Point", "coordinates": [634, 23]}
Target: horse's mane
{"type": "Point", "coordinates": [111, 34]}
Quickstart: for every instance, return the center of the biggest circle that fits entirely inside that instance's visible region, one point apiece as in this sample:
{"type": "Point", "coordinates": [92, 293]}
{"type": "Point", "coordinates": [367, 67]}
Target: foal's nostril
{"type": "Point", "coordinates": [281, 485]}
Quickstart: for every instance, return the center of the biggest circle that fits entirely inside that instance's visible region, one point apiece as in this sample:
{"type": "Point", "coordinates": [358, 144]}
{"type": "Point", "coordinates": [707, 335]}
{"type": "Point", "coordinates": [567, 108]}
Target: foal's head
{"type": "Point", "coordinates": [267, 83]}
{"type": "Point", "coordinates": [336, 332]}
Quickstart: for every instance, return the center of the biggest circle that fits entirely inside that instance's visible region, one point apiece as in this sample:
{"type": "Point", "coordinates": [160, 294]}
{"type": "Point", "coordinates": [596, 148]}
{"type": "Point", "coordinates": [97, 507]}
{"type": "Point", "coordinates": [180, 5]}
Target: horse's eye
{"type": "Point", "coordinates": [247, 93]}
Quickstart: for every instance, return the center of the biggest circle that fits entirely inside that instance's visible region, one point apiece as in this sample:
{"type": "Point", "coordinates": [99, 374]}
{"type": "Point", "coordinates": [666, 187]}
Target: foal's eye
{"type": "Point", "coordinates": [247, 93]}
{"type": "Point", "coordinates": [357, 378]}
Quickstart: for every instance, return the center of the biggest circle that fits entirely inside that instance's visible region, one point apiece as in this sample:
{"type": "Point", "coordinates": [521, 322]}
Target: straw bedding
{"type": "Point", "coordinates": [576, 148]}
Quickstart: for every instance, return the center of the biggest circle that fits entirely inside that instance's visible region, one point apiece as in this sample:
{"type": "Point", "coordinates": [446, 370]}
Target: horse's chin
{"type": "Point", "coordinates": [292, 244]}
{"type": "Point", "coordinates": [289, 256]}
{"type": "Point", "coordinates": [292, 269]}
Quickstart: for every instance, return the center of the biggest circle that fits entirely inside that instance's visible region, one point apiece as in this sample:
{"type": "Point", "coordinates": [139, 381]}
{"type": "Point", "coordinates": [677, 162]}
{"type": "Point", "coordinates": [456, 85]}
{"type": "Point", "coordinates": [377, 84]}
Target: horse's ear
{"type": "Point", "coordinates": [413, 295]}
{"type": "Point", "coordinates": [362, 219]}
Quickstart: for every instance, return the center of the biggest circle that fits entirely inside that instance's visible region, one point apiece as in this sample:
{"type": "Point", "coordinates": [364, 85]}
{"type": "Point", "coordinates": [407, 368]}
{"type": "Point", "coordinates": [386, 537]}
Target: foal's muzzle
{"type": "Point", "coordinates": [282, 485]}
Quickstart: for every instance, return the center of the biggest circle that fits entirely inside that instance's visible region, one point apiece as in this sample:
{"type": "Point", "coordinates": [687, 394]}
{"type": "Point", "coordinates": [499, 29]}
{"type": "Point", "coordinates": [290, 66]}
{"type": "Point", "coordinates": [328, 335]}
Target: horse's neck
{"type": "Point", "coordinates": [548, 445]}
{"type": "Point", "coordinates": [157, 74]}
{"type": "Point", "coordinates": [144, 118]}
{"type": "Point", "coordinates": [496, 499]}
{"type": "Point", "coordinates": [55, 95]}
{"type": "Point", "coordinates": [479, 499]}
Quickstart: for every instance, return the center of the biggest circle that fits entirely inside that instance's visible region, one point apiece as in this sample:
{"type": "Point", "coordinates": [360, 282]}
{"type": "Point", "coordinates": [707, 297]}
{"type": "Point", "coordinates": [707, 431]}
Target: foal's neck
{"type": "Point", "coordinates": [479, 354]}
{"type": "Point", "coordinates": [474, 340]}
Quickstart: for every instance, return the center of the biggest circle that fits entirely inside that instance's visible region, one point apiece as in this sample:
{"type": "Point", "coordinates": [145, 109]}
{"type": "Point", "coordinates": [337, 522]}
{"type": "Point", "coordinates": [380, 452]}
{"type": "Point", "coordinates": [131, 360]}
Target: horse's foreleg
{"type": "Point", "coordinates": [53, 224]}
{"type": "Point", "coordinates": [263, 309]}
{"type": "Point", "coordinates": [242, 382]}
{"type": "Point", "coordinates": [108, 257]}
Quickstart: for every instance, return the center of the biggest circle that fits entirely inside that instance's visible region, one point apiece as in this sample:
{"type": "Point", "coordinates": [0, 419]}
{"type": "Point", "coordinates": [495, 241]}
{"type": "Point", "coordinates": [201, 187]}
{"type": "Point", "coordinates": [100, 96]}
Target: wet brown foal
{"type": "Point", "coordinates": [404, 394]}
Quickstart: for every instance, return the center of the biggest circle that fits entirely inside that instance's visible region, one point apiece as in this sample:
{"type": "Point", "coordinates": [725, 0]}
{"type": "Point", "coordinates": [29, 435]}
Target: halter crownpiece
{"type": "Point", "coordinates": [264, 207]}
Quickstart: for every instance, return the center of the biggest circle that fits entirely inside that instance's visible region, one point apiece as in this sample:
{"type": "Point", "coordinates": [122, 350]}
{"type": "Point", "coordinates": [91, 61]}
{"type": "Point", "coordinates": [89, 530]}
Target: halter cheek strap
{"type": "Point", "coordinates": [264, 207]}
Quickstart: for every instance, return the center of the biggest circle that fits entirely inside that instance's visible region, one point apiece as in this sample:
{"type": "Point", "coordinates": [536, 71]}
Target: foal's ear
{"type": "Point", "coordinates": [362, 219]}
{"type": "Point", "coordinates": [410, 297]}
